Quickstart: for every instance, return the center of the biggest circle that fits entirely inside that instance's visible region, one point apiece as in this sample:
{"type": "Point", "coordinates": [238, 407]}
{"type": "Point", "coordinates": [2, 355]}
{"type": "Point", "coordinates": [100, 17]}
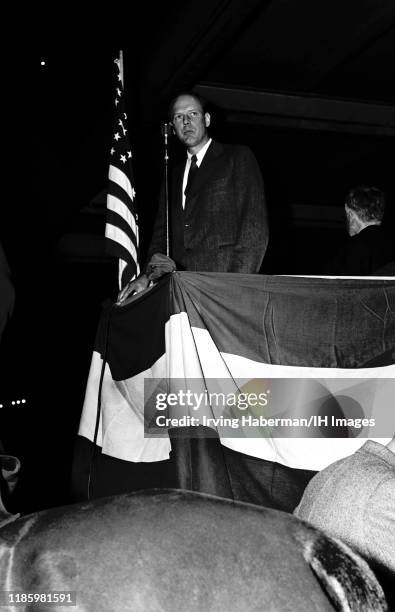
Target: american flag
{"type": "Point", "coordinates": [122, 232]}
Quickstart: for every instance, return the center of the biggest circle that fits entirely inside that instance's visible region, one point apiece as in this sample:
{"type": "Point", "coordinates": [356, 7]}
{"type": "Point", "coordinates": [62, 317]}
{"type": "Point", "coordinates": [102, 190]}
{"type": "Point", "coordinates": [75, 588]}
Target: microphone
{"type": "Point", "coordinates": [166, 130]}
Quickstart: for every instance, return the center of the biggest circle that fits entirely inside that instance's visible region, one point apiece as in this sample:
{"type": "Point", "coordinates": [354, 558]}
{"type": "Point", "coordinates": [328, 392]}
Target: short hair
{"type": "Point", "coordinates": [202, 101]}
{"type": "Point", "coordinates": [367, 202]}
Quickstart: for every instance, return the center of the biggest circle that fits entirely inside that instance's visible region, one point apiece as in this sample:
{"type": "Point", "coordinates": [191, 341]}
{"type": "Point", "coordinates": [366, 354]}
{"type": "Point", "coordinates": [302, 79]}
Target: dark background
{"type": "Point", "coordinates": [58, 134]}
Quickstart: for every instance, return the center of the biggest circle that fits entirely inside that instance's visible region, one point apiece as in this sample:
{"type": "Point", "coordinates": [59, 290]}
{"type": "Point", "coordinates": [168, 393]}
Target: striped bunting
{"type": "Point", "coordinates": [323, 348]}
{"type": "Point", "coordinates": [122, 232]}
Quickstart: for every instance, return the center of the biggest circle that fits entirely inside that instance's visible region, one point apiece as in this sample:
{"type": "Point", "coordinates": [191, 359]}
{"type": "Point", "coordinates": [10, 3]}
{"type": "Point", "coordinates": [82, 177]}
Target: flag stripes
{"type": "Point", "coordinates": [121, 231]}
{"type": "Point", "coordinates": [122, 245]}
{"type": "Point", "coordinates": [118, 222]}
{"type": "Point", "coordinates": [119, 178]}
{"type": "Point", "coordinates": [122, 214]}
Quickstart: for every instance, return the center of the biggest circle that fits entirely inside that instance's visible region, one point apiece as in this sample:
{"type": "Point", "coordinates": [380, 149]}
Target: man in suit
{"type": "Point", "coordinates": [369, 247]}
{"type": "Point", "coordinates": [217, 210]}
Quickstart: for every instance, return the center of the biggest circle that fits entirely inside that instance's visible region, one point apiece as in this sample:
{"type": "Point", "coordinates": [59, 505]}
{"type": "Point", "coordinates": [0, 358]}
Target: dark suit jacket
{"type": "Point", "coordinates": [363, 254]}
{"type": "Point", "coordinates": [224, 225]}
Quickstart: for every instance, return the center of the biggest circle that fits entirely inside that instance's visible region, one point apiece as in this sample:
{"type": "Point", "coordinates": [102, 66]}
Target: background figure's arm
{"type": "Point", "coordinates": [252, 224]}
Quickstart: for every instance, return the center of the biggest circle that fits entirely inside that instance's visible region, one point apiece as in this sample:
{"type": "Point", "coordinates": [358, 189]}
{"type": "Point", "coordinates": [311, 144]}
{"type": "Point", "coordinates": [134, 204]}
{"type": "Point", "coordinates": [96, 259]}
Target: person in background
{"type": "Point", "coordinates": [218, 218]}
{"type": "Point", "coordinates": [9, 465]}
{"type": "Point", "coordinates": [369, 246]}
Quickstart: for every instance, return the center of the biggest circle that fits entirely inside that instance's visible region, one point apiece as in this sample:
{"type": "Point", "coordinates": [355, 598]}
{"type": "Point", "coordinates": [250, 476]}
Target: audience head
{"type": "Point", "coordinates": [364, 206]}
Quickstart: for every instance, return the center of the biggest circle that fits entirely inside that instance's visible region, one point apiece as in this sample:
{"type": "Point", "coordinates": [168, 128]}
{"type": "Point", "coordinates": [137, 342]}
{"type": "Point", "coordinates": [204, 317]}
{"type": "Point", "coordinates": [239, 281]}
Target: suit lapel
{"type": "Point", "coordinates": [206, 167]}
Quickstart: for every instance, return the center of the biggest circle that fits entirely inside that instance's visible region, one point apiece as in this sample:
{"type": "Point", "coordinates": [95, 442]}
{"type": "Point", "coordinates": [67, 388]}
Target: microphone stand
{"type": "Point", "coordinates": [166, 133]}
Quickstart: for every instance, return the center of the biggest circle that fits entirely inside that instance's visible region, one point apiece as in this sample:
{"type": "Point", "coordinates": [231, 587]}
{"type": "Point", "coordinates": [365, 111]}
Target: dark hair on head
{"type": "Point", "coordinates": [367, 202]}
{"type": "Point", "coordinates": [202, 101]}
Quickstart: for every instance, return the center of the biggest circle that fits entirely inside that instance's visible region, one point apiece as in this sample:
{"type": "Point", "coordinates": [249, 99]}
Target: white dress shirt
{"type": "Point", "coordinates": [199, 159]}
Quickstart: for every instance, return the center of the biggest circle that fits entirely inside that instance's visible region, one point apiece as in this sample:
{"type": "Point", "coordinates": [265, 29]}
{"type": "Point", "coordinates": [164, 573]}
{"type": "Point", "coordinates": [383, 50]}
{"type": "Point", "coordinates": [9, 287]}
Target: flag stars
{"type": "Point", "coordinates": [120, 162]}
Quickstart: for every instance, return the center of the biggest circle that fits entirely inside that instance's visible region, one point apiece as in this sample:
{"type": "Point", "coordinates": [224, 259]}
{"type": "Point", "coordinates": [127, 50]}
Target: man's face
{"type": "Point", "coordinates": [190, 124]}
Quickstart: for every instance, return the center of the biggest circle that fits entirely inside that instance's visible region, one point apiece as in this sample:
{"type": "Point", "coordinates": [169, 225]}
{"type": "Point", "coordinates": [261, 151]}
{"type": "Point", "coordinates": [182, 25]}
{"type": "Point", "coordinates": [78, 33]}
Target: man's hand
{"type": "Point", "coordinates": [159, 265]}
{"type": "Point", "coordinates": [135, 286]}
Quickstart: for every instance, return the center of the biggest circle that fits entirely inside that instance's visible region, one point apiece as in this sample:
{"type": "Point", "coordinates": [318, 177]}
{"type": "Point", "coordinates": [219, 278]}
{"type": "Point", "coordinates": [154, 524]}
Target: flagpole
{"type": "Point", "coordinates": [121, 263]}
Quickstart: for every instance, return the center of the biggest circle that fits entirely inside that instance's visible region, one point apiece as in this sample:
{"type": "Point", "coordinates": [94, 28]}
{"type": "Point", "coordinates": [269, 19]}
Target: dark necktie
{"type": "Point", "coordinates": [193, 168]}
